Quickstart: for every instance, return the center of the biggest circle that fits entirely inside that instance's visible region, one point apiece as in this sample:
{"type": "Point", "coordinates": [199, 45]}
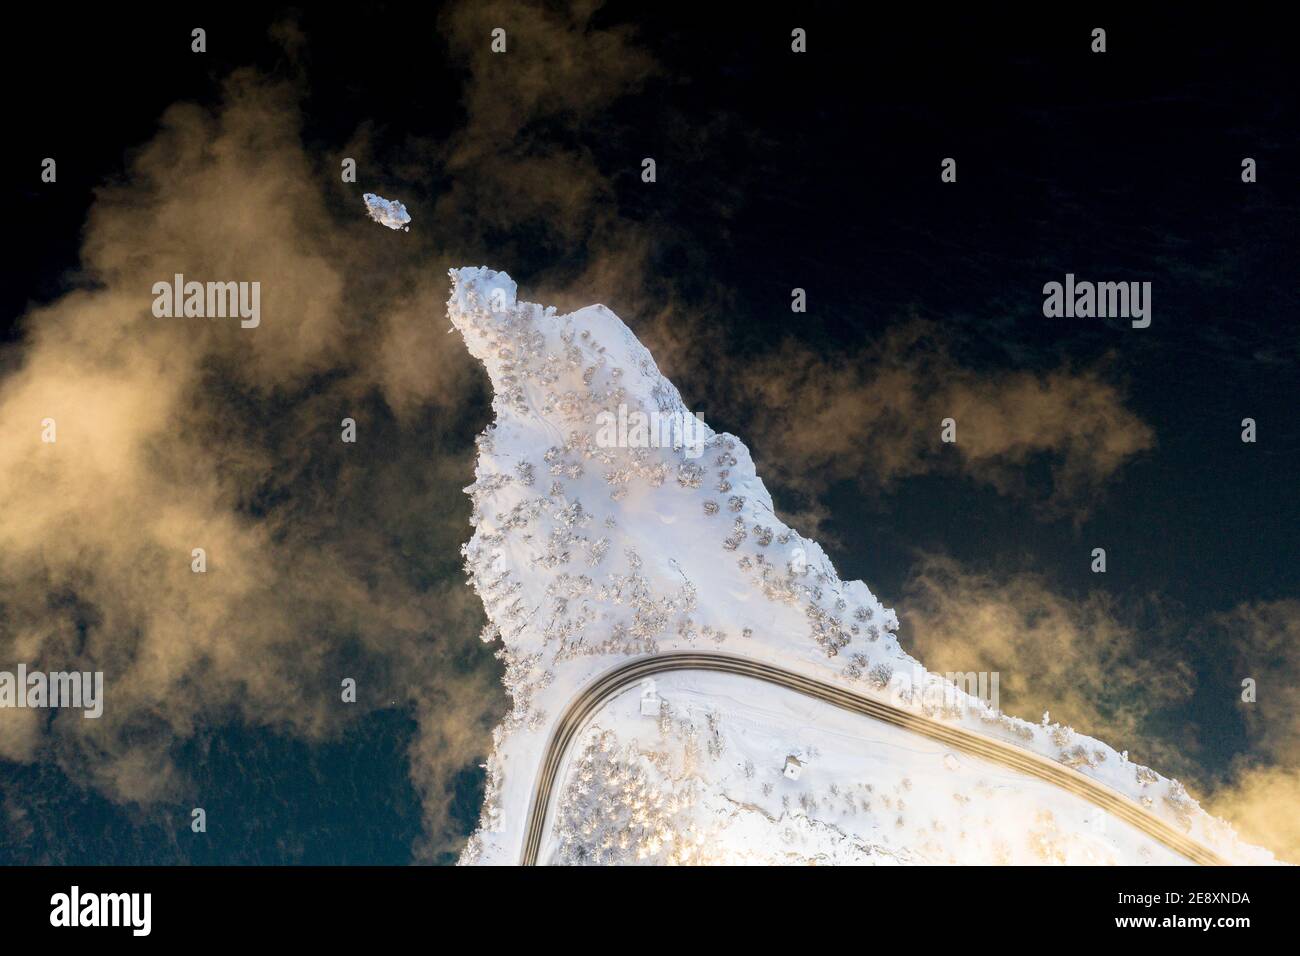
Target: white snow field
{"type": "Point", "coordinates": [704, 783]}
{"type": "Point", "coordinates": [588, 556]}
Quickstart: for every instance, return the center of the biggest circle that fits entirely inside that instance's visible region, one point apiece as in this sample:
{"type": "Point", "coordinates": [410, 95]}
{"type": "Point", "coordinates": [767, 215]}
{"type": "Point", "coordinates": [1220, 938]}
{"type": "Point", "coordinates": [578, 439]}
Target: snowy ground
{"type": "Point", "coordinates": [593, 546]}
{"type": "Point", "coordinates": [704, 782]}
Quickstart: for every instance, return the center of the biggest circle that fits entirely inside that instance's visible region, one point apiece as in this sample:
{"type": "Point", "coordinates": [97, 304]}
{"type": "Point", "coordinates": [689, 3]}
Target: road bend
{"type": "Point", "coordinates": [610, 684]}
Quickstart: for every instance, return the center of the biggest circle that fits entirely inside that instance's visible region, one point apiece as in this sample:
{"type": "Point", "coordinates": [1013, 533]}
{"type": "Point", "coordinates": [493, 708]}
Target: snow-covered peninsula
{"type": "Point", "coordinates": [611, 525]}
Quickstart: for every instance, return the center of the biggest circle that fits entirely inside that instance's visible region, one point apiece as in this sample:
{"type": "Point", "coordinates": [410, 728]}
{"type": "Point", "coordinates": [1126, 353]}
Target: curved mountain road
{"type": "Point", "coordinates": [620, 678]}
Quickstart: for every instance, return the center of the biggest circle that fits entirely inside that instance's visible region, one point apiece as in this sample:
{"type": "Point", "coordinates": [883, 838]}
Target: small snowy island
{"type": "Point", "coordinates": [387, 212]}
{"type": "Point", "coordinates": [692, 682]}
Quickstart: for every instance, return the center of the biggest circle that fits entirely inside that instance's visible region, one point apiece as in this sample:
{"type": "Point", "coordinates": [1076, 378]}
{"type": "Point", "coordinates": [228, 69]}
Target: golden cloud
{"type": "Point", "coordinates": [325, 560]}
{"type": "Point", "coordinates": [877, 417]}
{"type": "Point", "coordinates": [1078, 658]}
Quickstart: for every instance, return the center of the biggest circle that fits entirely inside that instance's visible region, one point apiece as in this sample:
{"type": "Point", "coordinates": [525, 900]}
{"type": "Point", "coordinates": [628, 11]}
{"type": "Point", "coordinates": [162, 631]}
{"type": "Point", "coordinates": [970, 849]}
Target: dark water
{"type": "Point", "coordinates": [268, 800]}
